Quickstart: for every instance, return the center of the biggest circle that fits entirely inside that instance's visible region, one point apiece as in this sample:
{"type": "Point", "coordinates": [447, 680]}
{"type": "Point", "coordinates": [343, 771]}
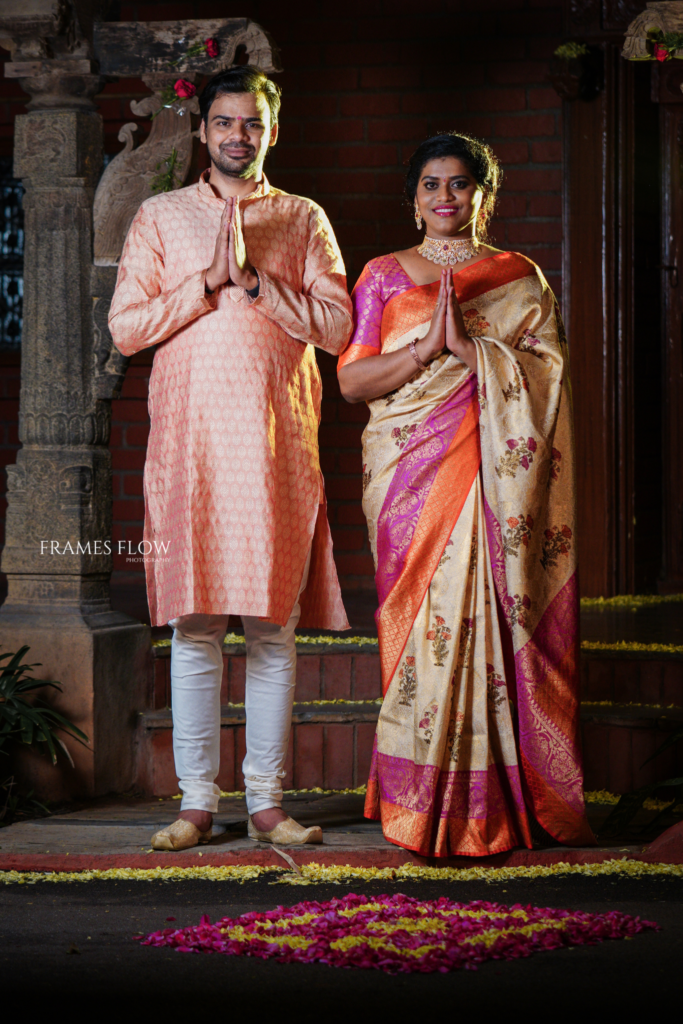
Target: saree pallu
{"type": "Point", "coordinates": [469, 497]}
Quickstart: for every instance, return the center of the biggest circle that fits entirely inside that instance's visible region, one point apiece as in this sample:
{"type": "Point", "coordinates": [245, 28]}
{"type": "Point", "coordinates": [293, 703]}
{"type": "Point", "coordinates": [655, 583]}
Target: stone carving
{"type": "Point", "coordinates": [110, 366]}
{"type": "Point", "coordinates": [127, 181]}
{"type": "Point", "coordinates": [665, 16]}
{"type": "Point", "coordinates": [75, 487]}
{"type": "Point", "coordinates": [51, 47]}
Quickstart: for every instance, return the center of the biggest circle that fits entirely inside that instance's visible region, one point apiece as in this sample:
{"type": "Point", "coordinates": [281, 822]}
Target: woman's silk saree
{"type": "Point", "coordinates": [469, 498]}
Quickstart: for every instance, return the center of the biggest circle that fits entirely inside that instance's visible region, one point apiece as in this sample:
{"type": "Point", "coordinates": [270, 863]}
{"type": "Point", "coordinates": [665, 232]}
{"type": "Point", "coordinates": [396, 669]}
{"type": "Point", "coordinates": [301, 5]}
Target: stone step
{"type": "Point", "coordinates": [617, 740]}
{"type": "Point", "coordinates": [324, 672]}
{"type": "Point", "coordinates": [626, 714]}
{"type": "Point", "coordinates": [331, 745]}
{"type": "Point", "coordinates": [352, 672]}
{"type": "Point", "coordinates": [640, 676]}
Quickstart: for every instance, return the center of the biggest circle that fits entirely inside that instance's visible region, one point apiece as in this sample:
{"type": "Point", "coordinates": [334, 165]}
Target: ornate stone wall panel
{"type": "Point", "coordinates": [109, 365]}
{"type": "Point", "coordinates": [59, 157]}
{"type": "Point", "coordinates": [57, 521]}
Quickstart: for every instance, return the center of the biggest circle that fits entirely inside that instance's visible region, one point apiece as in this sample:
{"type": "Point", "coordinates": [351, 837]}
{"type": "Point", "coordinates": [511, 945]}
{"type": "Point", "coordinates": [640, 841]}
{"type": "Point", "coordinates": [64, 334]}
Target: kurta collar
{"type": "Point", "coordinates": [205, 189]}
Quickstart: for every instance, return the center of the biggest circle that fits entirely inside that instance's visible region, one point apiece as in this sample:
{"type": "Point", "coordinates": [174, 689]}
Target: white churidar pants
{"type": "Point", "coordinates": [196, 673]}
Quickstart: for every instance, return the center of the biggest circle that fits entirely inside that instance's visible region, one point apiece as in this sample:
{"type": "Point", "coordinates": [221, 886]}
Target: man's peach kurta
{"type": "Point", "coordinates": [233, 487]}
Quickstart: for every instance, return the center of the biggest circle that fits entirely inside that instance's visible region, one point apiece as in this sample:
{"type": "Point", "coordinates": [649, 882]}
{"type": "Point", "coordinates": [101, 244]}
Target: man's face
{"type": "Point", "coordinates": [238, 133]}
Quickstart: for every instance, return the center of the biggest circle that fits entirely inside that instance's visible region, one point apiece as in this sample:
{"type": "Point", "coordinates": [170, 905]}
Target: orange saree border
{"type": "Point", "coordinates": [439, 515]}
{"type": "Point", "coordinates": [407, 310]}
{"type": "Point", "coordinates": [554, 814]}
{"type": "Point", "coordinates": [416, 305]}
{"type": "Point", "coordinates": [354, 352]}
{"type": "Point", "coordinates": [429, 836]}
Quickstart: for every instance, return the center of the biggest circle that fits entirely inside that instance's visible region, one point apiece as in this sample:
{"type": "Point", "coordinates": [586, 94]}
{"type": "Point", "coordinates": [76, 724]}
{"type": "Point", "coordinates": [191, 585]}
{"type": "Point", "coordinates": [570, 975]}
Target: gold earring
{"type": "Point", "coordinates": [418, 216]}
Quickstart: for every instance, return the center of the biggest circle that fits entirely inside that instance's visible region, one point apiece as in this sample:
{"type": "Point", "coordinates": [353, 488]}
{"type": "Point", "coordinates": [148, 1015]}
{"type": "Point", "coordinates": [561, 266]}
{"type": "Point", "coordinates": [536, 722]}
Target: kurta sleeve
{"type": "Point", "coordinates": [142, 313]}
{"type": "Point", "coordinates": [320, 314]}
{"type": "Point", "coordinates": [368, 309]}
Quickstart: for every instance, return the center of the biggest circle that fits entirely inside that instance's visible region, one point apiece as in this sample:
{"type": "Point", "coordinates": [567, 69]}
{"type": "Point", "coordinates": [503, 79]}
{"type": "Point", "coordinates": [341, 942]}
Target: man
{"type": "Point", "coordinates": [235, 281]}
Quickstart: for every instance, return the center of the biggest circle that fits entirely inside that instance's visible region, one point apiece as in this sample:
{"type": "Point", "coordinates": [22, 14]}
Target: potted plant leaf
{"type": "Point", "coordinates": [574, 72]}
{"type": "Point", "coordinates": [26, 719]}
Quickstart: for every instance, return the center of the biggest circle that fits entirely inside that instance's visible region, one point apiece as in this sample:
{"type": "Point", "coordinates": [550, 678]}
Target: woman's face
{"type": "Point", "coordinates": [449, 198]}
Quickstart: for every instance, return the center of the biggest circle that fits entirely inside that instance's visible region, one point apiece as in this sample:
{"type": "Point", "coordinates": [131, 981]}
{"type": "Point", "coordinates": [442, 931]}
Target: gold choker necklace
{"type": "Point", "coordinates": [448, 252]}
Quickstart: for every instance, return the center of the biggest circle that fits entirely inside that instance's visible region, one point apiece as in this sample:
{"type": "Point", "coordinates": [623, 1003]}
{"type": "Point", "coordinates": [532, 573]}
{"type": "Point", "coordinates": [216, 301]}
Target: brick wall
{"type": "Point", "coordinates": [362, 88]}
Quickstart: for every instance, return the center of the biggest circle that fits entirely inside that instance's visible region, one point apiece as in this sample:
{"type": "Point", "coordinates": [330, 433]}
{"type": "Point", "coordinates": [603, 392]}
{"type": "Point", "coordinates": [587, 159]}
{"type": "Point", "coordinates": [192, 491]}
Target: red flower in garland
{"type": "Point", "coordinates": [184, 89]}
{"type": "Point", "coordinates": [661, 52]}
{"type": "Point", "coordinates": [211, 47]}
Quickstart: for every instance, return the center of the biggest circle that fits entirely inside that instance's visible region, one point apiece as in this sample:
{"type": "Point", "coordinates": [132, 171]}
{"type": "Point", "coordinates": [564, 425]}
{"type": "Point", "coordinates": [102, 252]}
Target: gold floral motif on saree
{"type": "Point", "coordinates": [496, 692]}
{"type": "Point", "coordinates": [520, 454]}
{"type": "Point", "coordinates": [439, 635]}
{"type": "Point", "coordinates": [445, 556]}
{"type": "Point", "coordinates": [518, 532]}
{"type": "Point", "coordinates": [520, 381]}
{"type": "Point", "coordinates": [557, 542]}
{"type": "Point", "coordinates": [475, 324]}
{"type": "Point", "coordinates": [555, 459]}
{"type": "Point", "coordinates": [426, 723]}
{"type": "Point", "coordinates": [407, 683]}
{"type": "Point", "coordinates": [455, 728]}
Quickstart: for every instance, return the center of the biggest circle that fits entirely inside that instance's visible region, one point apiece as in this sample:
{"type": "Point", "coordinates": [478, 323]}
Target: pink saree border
{"type": "Point", "coordinates": [411, 483]}
{"type": "Point", "coordinates": [553, 756]}
{"type": "Point", "coordinates": [465, 795]}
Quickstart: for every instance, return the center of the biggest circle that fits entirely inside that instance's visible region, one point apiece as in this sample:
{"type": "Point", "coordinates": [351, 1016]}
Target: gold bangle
{"type": "Point", "coordinates": [413, 352]}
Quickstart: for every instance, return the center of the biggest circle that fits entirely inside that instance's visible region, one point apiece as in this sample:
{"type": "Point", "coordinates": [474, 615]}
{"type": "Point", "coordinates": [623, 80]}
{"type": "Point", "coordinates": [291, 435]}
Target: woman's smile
{"type": "Point", "coordinates": [445, 211]}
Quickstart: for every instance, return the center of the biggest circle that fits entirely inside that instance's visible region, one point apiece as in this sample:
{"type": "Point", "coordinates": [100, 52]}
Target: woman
{"type": "Point", "coordinates": [469, 495]}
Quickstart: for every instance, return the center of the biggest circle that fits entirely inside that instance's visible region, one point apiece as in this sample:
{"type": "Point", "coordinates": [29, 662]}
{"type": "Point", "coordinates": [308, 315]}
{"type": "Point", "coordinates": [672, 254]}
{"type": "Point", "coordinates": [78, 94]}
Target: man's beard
{"type": "Point", "coordinates": [241, 167]}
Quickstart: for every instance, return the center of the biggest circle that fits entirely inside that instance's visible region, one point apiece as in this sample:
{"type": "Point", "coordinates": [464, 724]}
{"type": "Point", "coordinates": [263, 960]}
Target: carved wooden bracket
{"type": "Point", "coordinates": [668, 17]}
{"type": "Point", "coordinates": [127, 181]}
{"type": "Point", "coordinates": [129, 49]}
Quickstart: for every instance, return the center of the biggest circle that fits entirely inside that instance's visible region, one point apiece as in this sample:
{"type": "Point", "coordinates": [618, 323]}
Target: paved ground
{"type": "Point", "coordinates": [74, 941]}
{"type": "Point", "coordinates": [116, 832]}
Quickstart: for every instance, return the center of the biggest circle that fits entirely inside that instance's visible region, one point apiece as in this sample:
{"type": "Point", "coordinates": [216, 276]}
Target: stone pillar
{"type": "Point", "coordinates": [58, 549]}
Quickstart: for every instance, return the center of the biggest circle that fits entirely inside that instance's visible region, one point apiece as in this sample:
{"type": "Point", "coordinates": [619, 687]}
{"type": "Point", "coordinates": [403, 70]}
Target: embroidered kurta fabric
{"type": "Point", "coordinates": [469, 497]}
{"type": "Point", "coordinates": [233, 489]}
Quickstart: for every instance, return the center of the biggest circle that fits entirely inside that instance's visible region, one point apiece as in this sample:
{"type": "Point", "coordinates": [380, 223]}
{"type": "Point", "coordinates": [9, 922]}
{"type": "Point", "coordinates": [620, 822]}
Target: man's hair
{"type": "Point", "coordinates": [477, 157]}
{"type": "Point", "coordinates": [240, 78]}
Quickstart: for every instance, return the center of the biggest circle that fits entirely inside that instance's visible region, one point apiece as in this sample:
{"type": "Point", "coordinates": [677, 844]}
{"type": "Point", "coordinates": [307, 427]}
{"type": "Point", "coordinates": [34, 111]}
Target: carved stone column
{"type": "Point", "coordinates": [58, 551]}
